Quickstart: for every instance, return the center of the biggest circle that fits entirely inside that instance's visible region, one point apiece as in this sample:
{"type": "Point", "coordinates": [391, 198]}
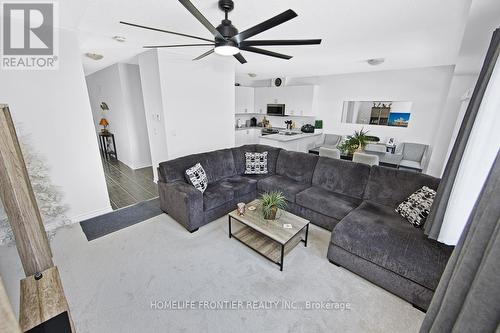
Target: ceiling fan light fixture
{"type": "Point", "coordinates": [226, 50]}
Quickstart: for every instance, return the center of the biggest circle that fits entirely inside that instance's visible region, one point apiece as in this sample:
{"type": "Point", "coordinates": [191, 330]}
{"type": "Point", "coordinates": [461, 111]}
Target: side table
{"type": "Point", "coordinates": [103, 145]}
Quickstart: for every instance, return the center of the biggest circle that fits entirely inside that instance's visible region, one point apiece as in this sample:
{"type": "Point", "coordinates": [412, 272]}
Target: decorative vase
{"type": "Point", "coordinates": [241, 208]}
{"type": "Point", "coordinates": [272, 214]}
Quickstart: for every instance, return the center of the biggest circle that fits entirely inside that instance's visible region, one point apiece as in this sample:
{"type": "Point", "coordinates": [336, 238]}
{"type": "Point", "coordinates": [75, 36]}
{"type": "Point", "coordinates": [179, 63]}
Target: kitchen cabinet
{"type": "Point", "coordinates": [298, 100]}
{"type": "Point", "coordinates": [247, 136]}
{"type": "Point", "coordinates": [244, 100]}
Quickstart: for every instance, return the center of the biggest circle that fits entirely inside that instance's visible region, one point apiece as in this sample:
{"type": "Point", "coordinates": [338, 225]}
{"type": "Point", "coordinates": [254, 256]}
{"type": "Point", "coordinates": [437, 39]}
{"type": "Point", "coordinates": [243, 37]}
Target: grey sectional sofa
{"type": "Point", "coordinates": [354, 201]}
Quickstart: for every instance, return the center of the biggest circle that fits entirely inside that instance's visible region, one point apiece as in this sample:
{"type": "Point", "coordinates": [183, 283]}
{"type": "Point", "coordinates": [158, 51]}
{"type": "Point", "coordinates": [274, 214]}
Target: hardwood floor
{"type": "Point", "coordinates": [127, 186]}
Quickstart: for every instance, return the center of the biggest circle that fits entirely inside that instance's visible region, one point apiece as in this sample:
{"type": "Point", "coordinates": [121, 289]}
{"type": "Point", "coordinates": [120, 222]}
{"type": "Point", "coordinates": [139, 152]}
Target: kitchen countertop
{"type": "Point", "coordinates": [286, 138]}
{"type": "Point", "coordinates": [249, 127]}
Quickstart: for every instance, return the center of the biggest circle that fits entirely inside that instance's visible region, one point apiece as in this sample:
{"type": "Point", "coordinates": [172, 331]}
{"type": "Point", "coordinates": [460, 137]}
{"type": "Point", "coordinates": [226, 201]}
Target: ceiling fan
{"type": "Point", "coordinates": [227, 40]}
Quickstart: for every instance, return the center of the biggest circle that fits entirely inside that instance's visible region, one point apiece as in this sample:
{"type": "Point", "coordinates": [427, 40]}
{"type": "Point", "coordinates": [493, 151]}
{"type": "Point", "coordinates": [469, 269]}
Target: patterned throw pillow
{"type": "Point", "coordinates": [197, 177]}
{"type": "Point", "coordinates": [256, 163]}
{"type": "Point", "coordinates": [416, 207]}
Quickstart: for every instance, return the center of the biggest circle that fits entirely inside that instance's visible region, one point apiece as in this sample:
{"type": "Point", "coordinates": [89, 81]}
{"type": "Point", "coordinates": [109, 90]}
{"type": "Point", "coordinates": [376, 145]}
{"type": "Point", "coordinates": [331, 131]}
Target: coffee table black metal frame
{"type": "Point", "coordinates": [280, 263]}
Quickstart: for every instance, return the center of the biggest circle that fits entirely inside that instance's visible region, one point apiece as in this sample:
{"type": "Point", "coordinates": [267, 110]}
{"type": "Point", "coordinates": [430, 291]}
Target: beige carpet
{"type": "Point", "coordinates": [111, 282]}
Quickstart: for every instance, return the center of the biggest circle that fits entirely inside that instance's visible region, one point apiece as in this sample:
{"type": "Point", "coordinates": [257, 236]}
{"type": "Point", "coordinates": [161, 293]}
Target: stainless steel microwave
{"type": "Point", "coordinates": [276, 109]}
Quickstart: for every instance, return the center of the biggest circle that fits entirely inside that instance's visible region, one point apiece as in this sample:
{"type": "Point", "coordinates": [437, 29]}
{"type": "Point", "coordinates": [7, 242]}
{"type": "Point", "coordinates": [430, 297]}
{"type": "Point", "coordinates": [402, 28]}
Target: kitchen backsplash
{"type": "Point", "coordinates": [276, 121]}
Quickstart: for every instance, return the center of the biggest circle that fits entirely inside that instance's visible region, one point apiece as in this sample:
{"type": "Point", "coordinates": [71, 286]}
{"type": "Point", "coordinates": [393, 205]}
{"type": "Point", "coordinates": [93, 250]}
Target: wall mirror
{"type": "Point", "coordinates": [383, 113]}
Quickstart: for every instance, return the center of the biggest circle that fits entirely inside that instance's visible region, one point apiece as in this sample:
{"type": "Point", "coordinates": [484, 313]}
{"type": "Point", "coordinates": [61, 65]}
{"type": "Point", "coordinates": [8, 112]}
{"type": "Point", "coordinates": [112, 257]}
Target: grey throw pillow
{"type": "Point", "coordinates": [197, 177]}
{"type": "Point", "coordinates": [416, 207]}
{"type": "Point", "coordinates": [256, 163]}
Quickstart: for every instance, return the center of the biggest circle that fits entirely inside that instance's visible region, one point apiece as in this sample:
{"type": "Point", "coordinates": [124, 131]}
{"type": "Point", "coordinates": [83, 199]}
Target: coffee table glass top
{"type": "Point", "coordinates": [271, 228]}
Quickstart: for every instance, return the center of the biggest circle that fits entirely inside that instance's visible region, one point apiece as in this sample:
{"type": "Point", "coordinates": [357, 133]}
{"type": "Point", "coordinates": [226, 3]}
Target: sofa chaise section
{"type": "Point", "coordinates": [377, 243]}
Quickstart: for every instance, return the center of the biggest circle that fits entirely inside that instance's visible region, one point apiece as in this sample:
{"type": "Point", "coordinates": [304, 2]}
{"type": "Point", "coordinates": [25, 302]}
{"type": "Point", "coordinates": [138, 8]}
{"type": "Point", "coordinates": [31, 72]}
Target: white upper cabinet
{"type": "Point", "coordinates": [298, 100]}
{"type": "Point", "coordinates": [244, 100]}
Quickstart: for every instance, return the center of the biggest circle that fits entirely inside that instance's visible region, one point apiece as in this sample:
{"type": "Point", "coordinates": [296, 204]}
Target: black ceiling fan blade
{"type": "Point", "coordinates": [240, 58]}
{"type": "Point", "coordinates": [165, 46]}
{"type": "Point", "coordinates": [266, 25]}
{"type": "Point", "coordinates": [266, 52]}
{"type": "Point", "coordinates": [199, 16]}
{"type": "Point", "coordinates": [167, 31]}
{"type": "Point", "coordinates": [280, 42]}
{"type": "Point", "coordinates": [204, 54]}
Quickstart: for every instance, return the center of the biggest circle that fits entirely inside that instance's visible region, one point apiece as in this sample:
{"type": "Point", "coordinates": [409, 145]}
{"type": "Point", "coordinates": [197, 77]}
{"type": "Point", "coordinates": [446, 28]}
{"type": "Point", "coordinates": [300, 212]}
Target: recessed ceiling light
{"type": "Point", "coordinates": [120, 39]}
{"type": "Point", "coordinates": [252, 74]}
{"type": "Point", "coordinates": [94, 56]}
{"type": "Point", "coordinates": [376, 61]}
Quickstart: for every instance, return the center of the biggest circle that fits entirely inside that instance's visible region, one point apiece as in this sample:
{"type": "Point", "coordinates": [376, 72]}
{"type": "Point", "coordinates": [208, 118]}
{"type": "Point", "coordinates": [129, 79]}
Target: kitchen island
{"type": "Point", "coordinates": [295, 141]}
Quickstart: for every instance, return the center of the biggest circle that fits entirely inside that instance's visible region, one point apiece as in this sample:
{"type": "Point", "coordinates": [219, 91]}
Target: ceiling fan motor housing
{"type": "Point", "coordinates": [227, 29]}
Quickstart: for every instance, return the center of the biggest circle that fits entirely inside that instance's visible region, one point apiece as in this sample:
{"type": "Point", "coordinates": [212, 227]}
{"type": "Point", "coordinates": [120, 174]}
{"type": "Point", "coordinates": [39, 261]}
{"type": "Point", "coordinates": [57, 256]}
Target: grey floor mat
{"type": "Point", "coordinates": [105, 224]}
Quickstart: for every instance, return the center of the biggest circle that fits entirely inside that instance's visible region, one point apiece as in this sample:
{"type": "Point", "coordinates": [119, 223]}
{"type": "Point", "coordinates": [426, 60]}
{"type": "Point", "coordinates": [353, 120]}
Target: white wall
{"type": "Point", "coordinates": [119, 86]}
{"type": "Point", "coordinates": [52, 107]}
{"type": "Point", "coordinates": [189, 105]}
{"type": "Point", "coordinates": [426, 88]}
{"type": "Point", "coordinates": [136, 118]}
{"type": "Point", "coordinates": [153, 107]}
{"type": "Point", "coordinates": [459, 85]}
{"type": "Point", "coordinates": [198, 101]}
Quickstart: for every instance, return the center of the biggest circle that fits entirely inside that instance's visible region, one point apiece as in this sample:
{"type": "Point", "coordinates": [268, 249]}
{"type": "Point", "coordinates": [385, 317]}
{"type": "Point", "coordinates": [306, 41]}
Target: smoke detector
{"type": "Point", "coordinates": [120, 39]}
{"type": "Point", "coordinates": [376, 61]}
{"type": "Point", "coordinates": [94, 56]}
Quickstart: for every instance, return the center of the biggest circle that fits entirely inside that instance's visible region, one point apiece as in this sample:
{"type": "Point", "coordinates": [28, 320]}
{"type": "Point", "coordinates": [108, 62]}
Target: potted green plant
{"type": "Point", "coordinates": [355, 142]}
{"type": "Point", "coordinates": [271, 202]}
{"type": "Point", "coordinates": [361, 137]}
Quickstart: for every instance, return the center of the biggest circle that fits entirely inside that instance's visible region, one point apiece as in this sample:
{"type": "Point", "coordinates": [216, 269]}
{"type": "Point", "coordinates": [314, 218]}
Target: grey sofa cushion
{"type": "Point", "coordinates": [327, 203]}
{"type": "Point", "coordinates": [296, 166]}
{"type": "Point", "coordinates": [174, 170]}
{"type": "Point", "coordinates": [287, 186]}
{"type": "Point", "coordinates": [240, 185]}
{"type": "Point", "coordinates": [378, 234]}
{"type": "Point", "coordinates": [342, 177]}
{"type": "Point", "coordinates": [412, 292]}
{"type": "Point", "coordinates": [239, 157]}
{"type": "Point", "coordinates": [219, 164]}
{"type": "Point", "coordinates": [390, 187]}
{"type": "Point", "coordinates": [217, 195]}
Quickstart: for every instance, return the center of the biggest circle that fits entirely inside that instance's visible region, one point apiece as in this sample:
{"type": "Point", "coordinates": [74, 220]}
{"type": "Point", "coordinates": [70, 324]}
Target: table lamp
{"type": "Point", "coordinates": [104, 122]}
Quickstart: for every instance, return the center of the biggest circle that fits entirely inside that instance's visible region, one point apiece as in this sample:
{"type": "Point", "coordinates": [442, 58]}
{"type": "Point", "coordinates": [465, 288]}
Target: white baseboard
{"type": "Point", "coordinates": [140, 166]}
{"type": "Point", "coordinates": [89, 215]}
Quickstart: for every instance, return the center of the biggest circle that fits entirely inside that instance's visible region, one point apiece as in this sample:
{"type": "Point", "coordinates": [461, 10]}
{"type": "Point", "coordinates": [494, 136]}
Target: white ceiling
{"type": "Point", "coordinates": [407, 33]}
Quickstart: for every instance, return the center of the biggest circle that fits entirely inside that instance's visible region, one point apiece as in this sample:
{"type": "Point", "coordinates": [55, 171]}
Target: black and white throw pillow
{"type": "Point", "coordinates": [197, 177]}
{"type": "Point", "coordinates": [417, 206]}
{"type": "Point", "coordinates": [256, 163]}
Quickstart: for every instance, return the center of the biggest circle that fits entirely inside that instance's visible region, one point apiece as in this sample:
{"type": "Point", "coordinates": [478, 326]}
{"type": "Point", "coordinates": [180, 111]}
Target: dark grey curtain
{"type": "Point", "coordinates": [435, 218]}
{"type": "Point", "coordinates": [467, 298]}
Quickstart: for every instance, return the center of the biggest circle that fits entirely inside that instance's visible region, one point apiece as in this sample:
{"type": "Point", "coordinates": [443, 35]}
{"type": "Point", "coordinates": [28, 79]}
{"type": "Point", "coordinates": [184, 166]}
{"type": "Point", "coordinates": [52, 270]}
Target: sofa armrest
{"type": "Point", "coordinates": [182, 202]}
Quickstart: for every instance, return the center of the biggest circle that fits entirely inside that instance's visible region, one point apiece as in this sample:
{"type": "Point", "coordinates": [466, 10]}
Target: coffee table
{"type": "Point", "coordinates": [268, 237]}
